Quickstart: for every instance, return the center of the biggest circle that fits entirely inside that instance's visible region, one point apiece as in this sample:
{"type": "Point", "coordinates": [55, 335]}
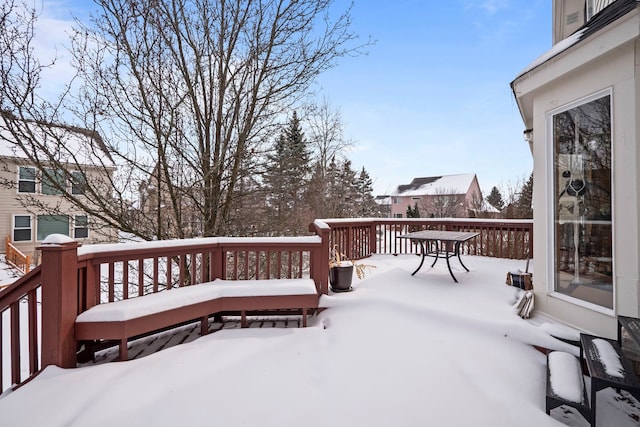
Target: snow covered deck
{"type": "Point", "coordinates": [398, 350]}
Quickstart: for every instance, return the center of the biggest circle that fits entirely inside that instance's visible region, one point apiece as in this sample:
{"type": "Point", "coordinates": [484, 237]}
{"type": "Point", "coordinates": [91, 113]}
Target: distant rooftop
{"type": "Point", "coordinates": [450, 184]}
{"type": "Point", "coordinates": [70, 144]}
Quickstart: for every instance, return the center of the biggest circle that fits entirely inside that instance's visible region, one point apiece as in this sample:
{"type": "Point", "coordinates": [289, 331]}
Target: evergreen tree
{"type": "Point", "coordinates": [286, 180]}
{"type": "Point", "coordinates": [495, 199]}
{"type": "Point", "coordinates": [413, 212]}
{"type": "Point", "coordinates": [523, 207]}
{"type": "Point", "coordinates": [367, 203]}
{"type": "Point", "coordinates": [349, 190]}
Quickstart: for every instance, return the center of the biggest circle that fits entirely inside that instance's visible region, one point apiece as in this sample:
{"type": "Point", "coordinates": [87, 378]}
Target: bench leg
{"type": "Point", "coordinates": [304, 317]}
{"type": "Point", "coordinates": [204, 325]}
{"type": "Point", "coordinates": [124, 351]}
{"type": "Point", "coordinates": [594, 392]}
{"type": "Point", "coordinates": [243, 319]}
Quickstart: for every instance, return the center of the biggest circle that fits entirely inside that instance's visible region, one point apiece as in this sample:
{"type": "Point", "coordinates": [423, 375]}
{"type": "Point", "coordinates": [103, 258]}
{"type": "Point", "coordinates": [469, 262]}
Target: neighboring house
{"type": "Point", "coordinates": [31, 201]}
{"type": "Point", "coordinates": [449, 196]}
{"type": "Point", "coordinates": [580, 104]}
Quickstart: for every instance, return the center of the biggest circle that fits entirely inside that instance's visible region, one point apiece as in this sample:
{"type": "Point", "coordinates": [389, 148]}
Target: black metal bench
{"type": "Point", "coordinates": [565, 384]}
{"type": "Point", "coordinates": [607, 368]}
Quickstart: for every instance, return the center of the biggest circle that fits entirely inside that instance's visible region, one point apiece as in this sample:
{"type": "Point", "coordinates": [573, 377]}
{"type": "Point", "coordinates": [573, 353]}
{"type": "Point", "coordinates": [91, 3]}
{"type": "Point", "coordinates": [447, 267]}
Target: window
{"type": "Point", "coordinates": [80, 227]}
{"type": "Point", "coordinates": [22, 228]}
{"type": "Point", "coordinates": [595, 6]}
{"type": "Point", "coordinates": [52, 180]}
{"type": "Point", "coordinates": [398, 215]}
{"type": "Point", "coordinates": [78, 183]}
{"type": "Point", "coordinates": [50, 224]}
{"type": "Point", "coordinates": [26, 179]}
{"type": "Point", "coordinates": [583, 244]}
{"type": "Point", "coordinates": [396, 200]}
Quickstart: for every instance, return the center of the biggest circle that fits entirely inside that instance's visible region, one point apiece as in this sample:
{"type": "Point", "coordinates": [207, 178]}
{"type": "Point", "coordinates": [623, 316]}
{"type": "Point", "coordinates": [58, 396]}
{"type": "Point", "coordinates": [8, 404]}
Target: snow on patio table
{"type": "Point", "coordinates": [609, 358]}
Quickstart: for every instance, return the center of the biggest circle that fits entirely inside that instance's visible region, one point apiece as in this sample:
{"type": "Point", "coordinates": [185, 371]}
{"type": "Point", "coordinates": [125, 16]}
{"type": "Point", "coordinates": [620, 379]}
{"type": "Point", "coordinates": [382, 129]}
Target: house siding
{"type": "Point", "coordinates": [10, 206]}
{"type": "Point", "coordinates": [427, 202]}
{"type": "Point", "coordinates": [595, 65]}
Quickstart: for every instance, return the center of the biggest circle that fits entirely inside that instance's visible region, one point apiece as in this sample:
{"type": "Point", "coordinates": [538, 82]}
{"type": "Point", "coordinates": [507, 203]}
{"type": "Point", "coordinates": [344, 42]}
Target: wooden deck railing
{"type": "Point", "coordinates": [20, 317]}
{"type": "Point", "coordinates": [360, 238]}
{"type": "Point", "coordinates": [15, 257]}
{"type": "Point", "coordinates": [120, 271]}
{"type": "Point", "coordinates": [38, 311]}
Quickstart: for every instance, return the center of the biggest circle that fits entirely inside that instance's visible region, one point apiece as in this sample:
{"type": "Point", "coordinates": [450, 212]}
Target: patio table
{"type": "Point", "coordinates": [446, 244]}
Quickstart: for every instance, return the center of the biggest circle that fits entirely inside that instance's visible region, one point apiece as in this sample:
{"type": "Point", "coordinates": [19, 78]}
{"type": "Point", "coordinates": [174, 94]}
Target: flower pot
{"type": "Point", "coordinates": [340, 278]}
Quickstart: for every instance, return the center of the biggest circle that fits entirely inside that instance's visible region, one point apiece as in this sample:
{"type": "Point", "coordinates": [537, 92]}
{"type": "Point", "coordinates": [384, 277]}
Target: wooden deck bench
{"type": "Point", "coordinates": [565, 384]}
{"type": "Point", "coordinates": [608, 367]}
{"type": "Point", "coordinates": [122, 320]}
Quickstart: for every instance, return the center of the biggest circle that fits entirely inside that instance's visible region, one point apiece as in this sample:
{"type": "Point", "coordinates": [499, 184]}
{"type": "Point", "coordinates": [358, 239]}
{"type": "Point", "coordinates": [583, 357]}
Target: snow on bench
{"type": "Point", "coordinates": [565, 384]}
{"type": "Point", "coordinates": [124, 319]}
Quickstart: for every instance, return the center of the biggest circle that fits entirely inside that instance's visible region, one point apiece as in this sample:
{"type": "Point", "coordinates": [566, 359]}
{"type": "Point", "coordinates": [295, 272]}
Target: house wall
{"type": "Point", "coordinates": [427, 203]}
{"type": "Point", "coordinates": [10, 206]}
{"type": "Point", "coordinates": [617, 70]}
{"type": "Point", "coordinates": [568, 16]}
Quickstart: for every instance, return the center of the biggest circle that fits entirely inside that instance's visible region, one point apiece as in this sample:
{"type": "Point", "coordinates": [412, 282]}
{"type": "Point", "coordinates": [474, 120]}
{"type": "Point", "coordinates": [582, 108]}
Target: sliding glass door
{"type": "Point", "coordinates": [583, 256]}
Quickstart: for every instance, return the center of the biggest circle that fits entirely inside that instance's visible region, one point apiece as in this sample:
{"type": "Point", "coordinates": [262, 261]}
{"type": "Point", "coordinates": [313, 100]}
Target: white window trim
{"type": "Point", "coordinates": [550, 204]}
{"type": "Point", "coordinates": [35, 180]}
{"type": "Point", "coordinates": [13, 226]}
{"type": "Point", "coordinates": [86, 226]}
{"type": "Point", "coordinates": [71, 183]}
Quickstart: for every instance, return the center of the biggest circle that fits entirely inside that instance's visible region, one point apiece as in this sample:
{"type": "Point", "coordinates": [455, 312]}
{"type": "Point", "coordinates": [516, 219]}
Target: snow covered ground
{"type": "Point", "coordinates": [397, 351]}
{"type": "Point", "coordinates": [8, 274]}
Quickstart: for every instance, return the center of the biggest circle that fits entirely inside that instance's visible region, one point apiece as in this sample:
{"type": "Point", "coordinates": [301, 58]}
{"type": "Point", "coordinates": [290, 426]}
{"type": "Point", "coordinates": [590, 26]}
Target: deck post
{"type": "Point", "coordinates": [59, 300]}
{"type": "Point", "coordinates": [373, 238]}
{"type": "Point", "coordinates": [320, 257]}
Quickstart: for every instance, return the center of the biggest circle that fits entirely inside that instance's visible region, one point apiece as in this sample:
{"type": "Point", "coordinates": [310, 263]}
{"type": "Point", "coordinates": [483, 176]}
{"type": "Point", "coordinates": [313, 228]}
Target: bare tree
{"type": "Point", "coordinates": [184, 93]}
{"type": "Point", "coordinates": [444, 203]}
{"type": "Point", "coordinates": [326, 133]}
{"type": "Point", "coordinates": [327, 140]}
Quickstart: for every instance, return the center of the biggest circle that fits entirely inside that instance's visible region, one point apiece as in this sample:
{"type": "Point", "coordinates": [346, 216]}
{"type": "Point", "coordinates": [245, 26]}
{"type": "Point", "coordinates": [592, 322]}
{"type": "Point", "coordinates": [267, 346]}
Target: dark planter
{"type": "Point", "coordinates": [340, 278]}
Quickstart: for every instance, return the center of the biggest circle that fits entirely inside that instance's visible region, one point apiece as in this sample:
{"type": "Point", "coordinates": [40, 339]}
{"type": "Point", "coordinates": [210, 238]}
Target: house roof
{"type": "Point", "coordinates": [69, 144]}
{"type": "Point", "coordinates": [601, 20]}
{"type": "Point", "coordinates": [447, 184]}
{"type": "Point", "coordinates": [383, 200]}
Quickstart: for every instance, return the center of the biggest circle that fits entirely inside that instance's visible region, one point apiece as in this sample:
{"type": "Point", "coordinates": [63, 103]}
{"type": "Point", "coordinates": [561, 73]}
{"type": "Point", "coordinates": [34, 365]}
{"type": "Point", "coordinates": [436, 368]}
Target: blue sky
{"type": "Point", "coordinates": [432, 96]}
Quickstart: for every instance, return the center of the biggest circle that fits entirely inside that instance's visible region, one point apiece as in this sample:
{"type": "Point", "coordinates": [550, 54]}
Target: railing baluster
{"type": "Point", "coordinates": [125, 279]}
{"type": "Point", "coordinates": [155, 274]}
{"type": "Point", "coordinates": [269, 260]}
{"type": "Point", "coordinates": [33, 331]}
{"type": "Point", "coordinates": [194, 262]}
{"type": "Point", "coordinates": [140, 277]}
{"type": "Point", "coordinates": [279, 265]}
{"type": "Point", "coordinates": [181, 266]}
{"type": "Point", "coordinates": [111, 282]}
{"type": "Point", "coordinates": [15, 342]}
{"type": "Point", "coordinates": [246, 264]}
